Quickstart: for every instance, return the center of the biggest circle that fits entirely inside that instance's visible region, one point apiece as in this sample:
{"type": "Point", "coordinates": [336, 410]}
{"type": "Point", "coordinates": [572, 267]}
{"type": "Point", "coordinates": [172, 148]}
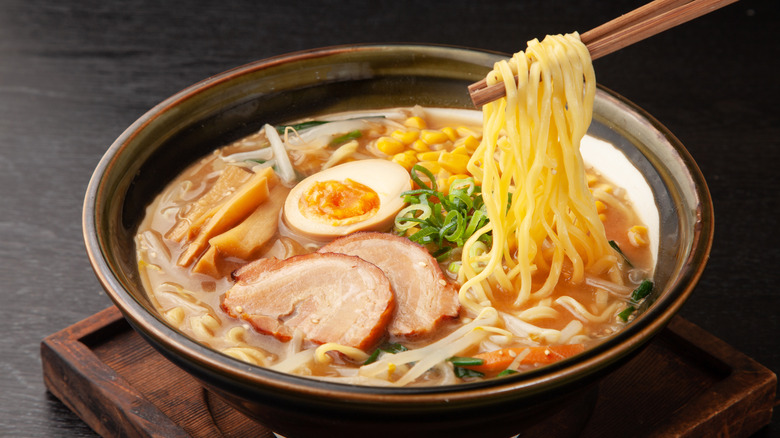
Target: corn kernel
{"type": "Point", "coordinates": [429, 156]}
{"type": "Point", "coordinates": [415, 122]}
{"type": "Point", "coordinates": [461, 150]}
{"type": "Point", "coordinates": [465, 132]}
{"type": "Point", "coordinates": [471, 143]}
{"type": "Point", "coordinates": [433, 166]}
{"type": "Point", "coordinates": [405, 137]}
{"type": "Point", "coordinates": [591, 179]}
{"type": "Point", "coordinates": [452, 178]}
{"type": "Point", "coordinates": [389, 145]}
{"type": "Point", "coordinates": [430, 136]}
{"type": "Point", "coordinates": [405, 160]}
{"type": "Point", "coordinates": [450, 133]}
{"type": "Point", "coordinates": [455, 163]}
{"type": "Point", "coordinates": [468, 142]}
{"type": "Point", "coordinates": [411, 231]}
{"type": "Point", "coordinates": [603, 217]}
{"type": "Point", "coordinates": [637, 235]}
{"type": "Point", "coordinates": [441, 183]}
{"type": "Point", "coordinates": [600, 206]}
{"type": "Point", "coordinates": [420, 146]}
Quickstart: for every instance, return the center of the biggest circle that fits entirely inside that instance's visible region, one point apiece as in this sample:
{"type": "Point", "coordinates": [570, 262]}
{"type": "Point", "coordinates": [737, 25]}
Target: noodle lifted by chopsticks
{"type": "Point", "coordinates": [543, 219]}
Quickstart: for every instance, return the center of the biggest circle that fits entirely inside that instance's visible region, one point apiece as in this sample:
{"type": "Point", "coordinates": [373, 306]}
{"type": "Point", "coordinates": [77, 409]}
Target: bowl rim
{"type": "Point", "coordinates": [543, 379]}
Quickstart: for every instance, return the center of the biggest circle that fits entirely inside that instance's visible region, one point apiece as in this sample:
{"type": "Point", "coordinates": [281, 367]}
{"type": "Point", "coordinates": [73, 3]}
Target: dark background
{"type": "Point", "coordinates": [75, 74]}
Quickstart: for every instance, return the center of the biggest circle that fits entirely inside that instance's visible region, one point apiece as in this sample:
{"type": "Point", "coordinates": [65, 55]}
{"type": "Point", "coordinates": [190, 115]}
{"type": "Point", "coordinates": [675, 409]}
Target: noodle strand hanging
{"type": "Point", "coordinates": [543, 218]}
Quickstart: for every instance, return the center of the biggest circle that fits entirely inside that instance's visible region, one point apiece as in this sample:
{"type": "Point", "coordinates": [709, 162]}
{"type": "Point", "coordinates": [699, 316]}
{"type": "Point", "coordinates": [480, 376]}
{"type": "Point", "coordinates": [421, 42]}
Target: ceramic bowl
{"type": "Point", "coordinates": [555, 400]}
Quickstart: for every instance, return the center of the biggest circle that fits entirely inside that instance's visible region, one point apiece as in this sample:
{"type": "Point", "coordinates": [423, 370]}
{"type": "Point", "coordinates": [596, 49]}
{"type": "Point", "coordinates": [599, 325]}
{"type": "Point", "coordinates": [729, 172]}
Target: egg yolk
{"type": "Point", "coordinates": [339, 202]}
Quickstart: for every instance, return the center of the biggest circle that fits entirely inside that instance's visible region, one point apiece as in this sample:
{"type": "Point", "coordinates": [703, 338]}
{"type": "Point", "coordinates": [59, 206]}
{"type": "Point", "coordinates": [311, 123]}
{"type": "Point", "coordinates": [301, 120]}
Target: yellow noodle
{"type": "Point", "coordinates": [251, 355]}
{"type": "Point", "coordinates": [538, 312]}
{"type": "Point", "coordinates": [321, 354]}
{"type": "Point", "coordinates": [204, 326]}
{"type": "Point", "coordinates": [581, 312]}
{"type": "Point", "coordinates": [533, 177]}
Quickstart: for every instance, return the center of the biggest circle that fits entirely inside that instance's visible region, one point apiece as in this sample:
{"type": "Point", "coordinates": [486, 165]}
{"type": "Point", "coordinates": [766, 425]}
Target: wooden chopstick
{"type": "Point", "coordinates": [644, 12]}
{"type": "Point", "coordinates": [643, 22]}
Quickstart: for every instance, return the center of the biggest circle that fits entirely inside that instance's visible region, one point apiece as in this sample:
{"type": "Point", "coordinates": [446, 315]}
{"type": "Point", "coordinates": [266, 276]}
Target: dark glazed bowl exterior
{"type": "Point", "coordinates": [238, 102]}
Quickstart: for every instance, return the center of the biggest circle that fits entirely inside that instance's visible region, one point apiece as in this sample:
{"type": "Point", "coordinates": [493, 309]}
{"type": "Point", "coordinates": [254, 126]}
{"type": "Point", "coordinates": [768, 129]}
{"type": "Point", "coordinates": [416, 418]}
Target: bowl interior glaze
{"type": "Point", "coordinates": [238, 102]}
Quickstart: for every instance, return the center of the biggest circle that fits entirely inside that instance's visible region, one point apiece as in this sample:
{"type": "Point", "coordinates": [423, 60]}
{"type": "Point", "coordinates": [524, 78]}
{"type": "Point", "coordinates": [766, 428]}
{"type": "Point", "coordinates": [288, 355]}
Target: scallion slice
{"type": "Point", "coordinates": [615, 246]}
{"type": "Point", "coordinates": [465, 372]}
{"type": "Point", "coordinates": [300, 126]}
{"type": "Point", "coordinates": [460, 361]}
{"type": "Point", "coordinates": [351, 135]}
{"type": "Point", "coordinates": [640, 293]}
{"type": "Point", "coordinates": [387, 348]}
{"type": "Point", "coordinates": [626, 313]}
{"type": "Point", "coordinates": [448, 220]}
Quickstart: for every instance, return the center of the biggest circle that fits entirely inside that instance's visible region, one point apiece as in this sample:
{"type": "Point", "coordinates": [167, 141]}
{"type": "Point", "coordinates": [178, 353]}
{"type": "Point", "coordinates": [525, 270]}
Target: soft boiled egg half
{"type": "Point", "coordinates": [354, 196]}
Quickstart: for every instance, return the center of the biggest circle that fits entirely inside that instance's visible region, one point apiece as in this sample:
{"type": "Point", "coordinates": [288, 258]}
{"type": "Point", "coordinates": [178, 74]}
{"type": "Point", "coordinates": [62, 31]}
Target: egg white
{"type": "Point", "coordinates": [386, 178]}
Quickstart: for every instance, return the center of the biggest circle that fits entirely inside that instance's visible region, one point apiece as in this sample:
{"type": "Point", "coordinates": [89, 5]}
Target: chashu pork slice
{"type": "Point", "coordinates": [328, 297]}
{"type": "Point", "coordinates": [424, 297]}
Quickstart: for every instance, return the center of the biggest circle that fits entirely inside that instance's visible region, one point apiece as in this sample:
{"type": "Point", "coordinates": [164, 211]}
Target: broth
{"type": "Point", "coordinates": [190, 295]}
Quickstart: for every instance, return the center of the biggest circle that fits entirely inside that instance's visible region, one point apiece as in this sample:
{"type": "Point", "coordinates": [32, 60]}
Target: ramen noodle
{"type": "Point", "coordinates": [406, 246]}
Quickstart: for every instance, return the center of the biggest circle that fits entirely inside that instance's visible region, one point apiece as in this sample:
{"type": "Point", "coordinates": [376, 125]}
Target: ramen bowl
{"type": "Point", "coordinates": [555, 399]}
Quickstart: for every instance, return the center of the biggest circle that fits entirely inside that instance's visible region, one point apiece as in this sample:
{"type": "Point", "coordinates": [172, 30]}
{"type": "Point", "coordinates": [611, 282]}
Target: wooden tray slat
{"type": "Point", "coordinates": [686, 383]}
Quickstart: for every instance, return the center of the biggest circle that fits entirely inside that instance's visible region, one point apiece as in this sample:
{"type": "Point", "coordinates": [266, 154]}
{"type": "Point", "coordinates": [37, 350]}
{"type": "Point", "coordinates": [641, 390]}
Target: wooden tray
{"type": "Point", "coordinates": [686, 383]}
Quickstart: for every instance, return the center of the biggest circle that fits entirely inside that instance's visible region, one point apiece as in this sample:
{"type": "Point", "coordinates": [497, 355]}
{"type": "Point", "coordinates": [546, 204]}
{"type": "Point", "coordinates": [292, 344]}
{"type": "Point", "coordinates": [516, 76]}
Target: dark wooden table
{"type": "Point", "coordinates": [74, 74]}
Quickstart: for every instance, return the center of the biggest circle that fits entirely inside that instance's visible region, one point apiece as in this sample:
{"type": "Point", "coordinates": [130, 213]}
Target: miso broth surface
{"type": "Point", "coordinates": [190, 301]}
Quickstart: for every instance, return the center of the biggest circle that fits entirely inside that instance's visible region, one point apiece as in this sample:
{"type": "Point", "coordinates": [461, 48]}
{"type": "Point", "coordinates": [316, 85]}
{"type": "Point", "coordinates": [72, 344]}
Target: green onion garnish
{"type": "Point", "coordinates": [393, 348]}
{"type": "Point", "coordinates": [387, 348]}
{"type": "Point", "coordinates": [460, 361]}
{"type": "Point", "coordinates": [373, 357]}
{"type": "Point", "coordinates": [465, 372]}
{"type": "Point", "coordinates": [445, 222]}
{"type": "Point", "coordinates": [640, 293]}
{"type": "Point", "coordinates": [312, 123]}
{"type": "Point", "coordinates": [301, 126]}
{"type": "Point", "coordinates": [506, 372]}
{"type": "Point", "coordinates": [615, 246]}
{"type": "Point", "coordinates": [345, 138]}
{"type": "Point", "coordinates": [626, 313]}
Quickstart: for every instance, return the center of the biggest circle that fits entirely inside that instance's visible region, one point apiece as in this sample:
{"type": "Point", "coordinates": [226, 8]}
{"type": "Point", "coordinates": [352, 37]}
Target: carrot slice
{"type": "Point", "coordinates": [499, 360]}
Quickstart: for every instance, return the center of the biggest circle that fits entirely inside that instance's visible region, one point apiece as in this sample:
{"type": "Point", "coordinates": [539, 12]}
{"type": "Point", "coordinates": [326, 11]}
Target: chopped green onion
{"type": "Point", "coordinates": [506, 372]}
{"type": "Point", "coordinates": [312, 123]}
{"type": "Point", "coordinates": [387, 348]}
{"type": "Point", "coordinates": [626, 313]}
{"type": "Point", "coordinates": [444, 222]}
{"type": "Point", "coordinates": [615, 246]}
{"type": "Point", "coordinates": [373, 357]}
{"type": "Point", "coordinates": [393, 348]}
{"type": "Point", "coordinates": [301, 126]}
{"type": "Point", "coordinates": [642, 291]}
{"type": "Point", "coordinates": [465, 372]}
{"type": "Point", "coordinates": [345, 138]}
{"type": "Point", "coordinates": [460, 361]}
{"type": "Point", "coordinates": [416, 178]}
{"type": "Point", "coordinates": [442, 254]}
